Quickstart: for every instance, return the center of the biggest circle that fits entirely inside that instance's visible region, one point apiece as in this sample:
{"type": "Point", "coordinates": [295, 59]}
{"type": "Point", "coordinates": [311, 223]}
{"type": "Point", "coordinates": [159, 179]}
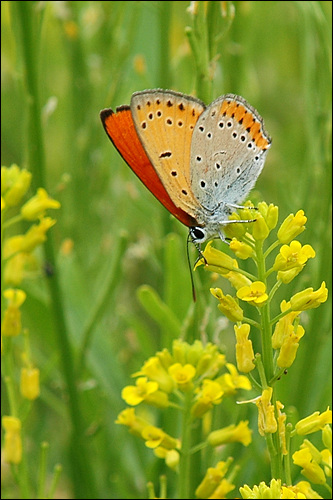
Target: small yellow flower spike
{"type": "Point", "coordinates": [266, 418]}
{"type": "Point", "coordinates": [11, 324]}
{"type": "Point", "coordinates": [12, 450]}
{"type": "Point", "coordinates": [37, 205]}
{"type": "Point", "coordinates": [314, 422]}
{"type": "Point", "coordinates": [255, 294]}
{"type": "Point", "coordinates": [240, 249]}
{"type": "Point", "coordinates": [217, 261]}
{"type": "Point", "coordinates": [29, 386]}
{"type": "Point", "coordinates": [308, 299]}
{"type": "Point", "coordinates": [231, 434]}
{"type": "Point", "coordinates": [244, 349]}
{"type": "Point", "coordinates": [182, 375]}
{"type": "Point", "coordinates": [291, 227]}
{"type": "Point", "coordinates": [228, 306]}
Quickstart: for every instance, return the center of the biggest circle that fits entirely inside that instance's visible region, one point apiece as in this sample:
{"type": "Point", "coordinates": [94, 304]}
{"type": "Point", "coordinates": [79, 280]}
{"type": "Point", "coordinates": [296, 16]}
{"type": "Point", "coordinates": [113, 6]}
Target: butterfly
{"type": "Point", "coordinates": [198, 161]}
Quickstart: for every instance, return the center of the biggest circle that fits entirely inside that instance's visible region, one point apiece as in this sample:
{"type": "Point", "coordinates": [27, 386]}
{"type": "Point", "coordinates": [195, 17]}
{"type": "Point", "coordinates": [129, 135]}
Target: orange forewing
{"type": "Point", "coordinates": [121, 130]}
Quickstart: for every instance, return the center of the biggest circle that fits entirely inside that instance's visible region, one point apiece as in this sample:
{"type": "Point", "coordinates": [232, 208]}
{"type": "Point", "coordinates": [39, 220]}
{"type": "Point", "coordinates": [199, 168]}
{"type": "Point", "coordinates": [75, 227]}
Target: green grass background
{"type": "Point", "coordinates": [92, 55]}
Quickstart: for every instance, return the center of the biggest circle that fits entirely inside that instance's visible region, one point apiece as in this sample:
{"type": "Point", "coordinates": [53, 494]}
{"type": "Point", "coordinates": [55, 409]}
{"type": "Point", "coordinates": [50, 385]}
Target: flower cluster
{"type": "Point", "coordinates": [19, 263]}
{"type": "Point", "coordinates": [247, 242]}
{"type": "Point", "coordinates": [191, 380]}
{"type": "Point", "coordinates": [280, 335]}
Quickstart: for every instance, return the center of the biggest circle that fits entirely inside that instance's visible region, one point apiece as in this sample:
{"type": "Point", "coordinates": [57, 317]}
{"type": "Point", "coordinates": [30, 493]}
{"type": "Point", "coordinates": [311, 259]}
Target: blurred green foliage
{"type": "Point", "coordinates": [92, 55]}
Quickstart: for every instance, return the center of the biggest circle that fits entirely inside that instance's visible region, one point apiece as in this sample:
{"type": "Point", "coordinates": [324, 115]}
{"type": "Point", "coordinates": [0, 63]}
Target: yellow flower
{"type": "Point", "coordinates": [217, 261]}
{"type": "Point", "coordinates": [209, 394]}
{"type": "Point", "coordinates": [254, 294]}
{"type": "Point", "coordinates": [182, 375]}
{"type": "Point", "coordinates": [311, 469]}
{"type": "Point", "coordinates": [232, 380]}
{"type": "Point", "coordinates": [244, 349]}
{"type": "Point", "coordinates": [228, 306]}
{"type": "Point", "coordinates": [12, 450]}
{"type": "Point", "coordinates": [212, 479]}
{"type": "Point", "coordinates": [223, 489]}
{"type": "Point", "coordinates": [327, 436]}
{"type": "Point", "coordinates": [171, 457]}
{"type": "Point", "coordinates": [308, 299]}
{"type": "Point", "coordinates": [29, 386]}
{"type": "Point", "coordinates": [155, 437]}
{"type": "Point", "coordinates": [240, 249]}
{"type": "Point", "coordinates": [144, 391]}
{"type": "Point", "coordinates": [237, 280]}
{"type": "Point", "coordinates": [11, 323]}
{"type": "Point", "coordinates": [314, 422]}
{"type": "Point", "coordinates": [135, 424]}
{"type": "Point", "coordinates": [282, 326]}
{"type": "Point", "coordinates": [26, 243]}
{"type": "Point", "coordinates": [267, 423]}
{"type": "Point", "coordinates": [304, 488]}
{"type": "Point", "coordinates": [37, 205]}
{"type": "Point", "coordinates": [15, 182]}
{"type": "Point", "coordinates": [237, 230]}
{"type": "Point", "coordinates": [232, 434]}
{"type": "Point", "coordinates": [270, 213]}
{"type": "Point", "coordinates": [289, 346]}
{"type": "Point", "coordinates": [282, 417]}
{"type": "Point", "coordinates": [291, 227]}
{"type": "Point", "coordinates": [155, 371]}
{"type": "Point", "coordinates": [291, 260]}
{"type": "Point", "coordinates": [260, 230]}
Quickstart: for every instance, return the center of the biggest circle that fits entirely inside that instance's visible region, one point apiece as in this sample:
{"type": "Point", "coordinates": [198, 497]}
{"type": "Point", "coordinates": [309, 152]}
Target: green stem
{"type": "Point", "coordinates": [42, 470]}
{"type": "Point", "coordinates": [198, 39]}
{"type": "Point", "coordinates": [55, 479]}
{"type": "Point", "coordinates": [272, 440]}
{"type": "Point", "coordinates": [266, 329]}
{"type": "Point", "coordinates": [184, 485]}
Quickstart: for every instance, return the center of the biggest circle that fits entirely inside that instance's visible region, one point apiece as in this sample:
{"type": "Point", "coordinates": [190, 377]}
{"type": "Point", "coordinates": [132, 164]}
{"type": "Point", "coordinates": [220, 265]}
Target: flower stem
{"type": "Point", "coordinates": [184, 485]}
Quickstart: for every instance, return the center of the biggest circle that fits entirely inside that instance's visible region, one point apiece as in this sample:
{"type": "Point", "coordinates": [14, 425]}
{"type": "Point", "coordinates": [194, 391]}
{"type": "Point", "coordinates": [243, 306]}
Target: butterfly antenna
{"type": "Point", "coordinates": [190, 268]}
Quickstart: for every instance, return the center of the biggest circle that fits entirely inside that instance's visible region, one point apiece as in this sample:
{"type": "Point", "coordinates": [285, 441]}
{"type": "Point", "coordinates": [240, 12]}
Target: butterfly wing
{"type": "Point", "coordinates": [165, 121]}
{"type": "Point", "coordinates": [120, 128]}
{"type": "Point", "coordinates": [229, 148]}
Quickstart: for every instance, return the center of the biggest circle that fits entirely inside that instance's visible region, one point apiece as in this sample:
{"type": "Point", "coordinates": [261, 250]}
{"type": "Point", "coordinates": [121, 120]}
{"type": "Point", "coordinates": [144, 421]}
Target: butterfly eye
{"type": "Point", "coordinates": [198, 234]}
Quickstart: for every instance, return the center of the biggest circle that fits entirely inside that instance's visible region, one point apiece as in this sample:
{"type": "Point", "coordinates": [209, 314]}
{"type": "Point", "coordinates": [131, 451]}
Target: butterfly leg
{"type": "Point", "coordinates": [239, 207]}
